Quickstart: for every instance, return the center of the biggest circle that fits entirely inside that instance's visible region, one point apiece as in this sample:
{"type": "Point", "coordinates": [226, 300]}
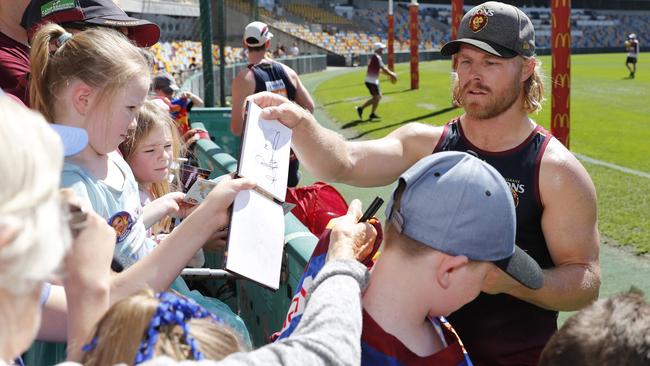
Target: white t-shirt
{"type": "Point", "coordinates": [119, 206]}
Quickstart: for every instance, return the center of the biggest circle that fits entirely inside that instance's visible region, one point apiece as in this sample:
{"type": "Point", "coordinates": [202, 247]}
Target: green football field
{"type": "Point", "coordinates": [610, 123]}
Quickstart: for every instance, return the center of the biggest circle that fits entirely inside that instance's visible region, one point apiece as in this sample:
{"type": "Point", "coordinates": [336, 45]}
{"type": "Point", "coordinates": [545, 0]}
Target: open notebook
{"type": "Point", "coordinates": [256, 236]}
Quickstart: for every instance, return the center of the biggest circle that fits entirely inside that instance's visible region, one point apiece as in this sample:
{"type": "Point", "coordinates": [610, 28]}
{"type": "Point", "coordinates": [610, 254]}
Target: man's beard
{"type": "Point", "coordinates": [496, 104]}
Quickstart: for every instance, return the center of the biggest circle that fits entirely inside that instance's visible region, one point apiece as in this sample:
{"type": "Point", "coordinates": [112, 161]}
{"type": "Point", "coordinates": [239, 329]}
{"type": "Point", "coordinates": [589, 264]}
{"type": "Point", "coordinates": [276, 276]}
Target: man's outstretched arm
{"type": "Point", "coordinates": [328, 156]}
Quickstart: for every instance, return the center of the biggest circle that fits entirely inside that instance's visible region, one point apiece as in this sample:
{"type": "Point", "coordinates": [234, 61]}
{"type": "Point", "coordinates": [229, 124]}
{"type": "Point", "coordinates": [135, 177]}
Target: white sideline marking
{"type": "Point", "coordinates": [623, 169]}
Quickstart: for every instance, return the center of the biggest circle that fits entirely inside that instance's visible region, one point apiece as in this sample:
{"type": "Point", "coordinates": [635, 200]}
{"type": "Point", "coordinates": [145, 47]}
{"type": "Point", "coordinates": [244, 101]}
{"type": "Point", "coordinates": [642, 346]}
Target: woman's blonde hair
{"type": "Point", "coordinates": [533, 87]}
{"type": "Point", "coordinates": [30, 166]}
{"type": "Point", "coordinates": [102, 58]}
{"type": "Point", "coordinates": [121, 330]}
{"type": "Point", "coordinates": [152, 115]}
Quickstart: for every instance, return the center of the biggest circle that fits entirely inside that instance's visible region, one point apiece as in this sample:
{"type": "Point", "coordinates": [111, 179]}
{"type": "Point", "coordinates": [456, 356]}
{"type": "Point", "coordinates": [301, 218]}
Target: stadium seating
{"type": "Point", "coordinates": [316, 15]}
{"type": "Point", "coordinates": [337, 34]}
{"type": "Point", "coordinates": [176, 57]}
{"type": "Point", "coordinates": [592, 29]}
{"type": "Point", "coordinates": [244, 6]}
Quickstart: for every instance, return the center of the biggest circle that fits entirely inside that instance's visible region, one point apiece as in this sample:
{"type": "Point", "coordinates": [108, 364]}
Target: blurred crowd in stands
{"type": "Point", "coordinates": [354, 32]}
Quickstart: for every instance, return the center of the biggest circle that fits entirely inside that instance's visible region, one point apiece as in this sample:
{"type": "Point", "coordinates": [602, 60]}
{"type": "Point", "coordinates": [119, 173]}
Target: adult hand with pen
{"type": "Point", "coordinates": [351, 239]}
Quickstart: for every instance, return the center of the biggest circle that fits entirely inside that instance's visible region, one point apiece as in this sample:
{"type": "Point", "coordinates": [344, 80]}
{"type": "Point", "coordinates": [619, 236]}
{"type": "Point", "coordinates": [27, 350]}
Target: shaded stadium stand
{"type": "Point", "coordinates": [244, 6]}
{"type": "Point", "coordinates": [339, 35]}
{"type": "Point", "coordinates": [591, 29]}
{"type": "Point", "coordinates": [316, 15]}
{"type": "Point", "coordinates": [359, 41]}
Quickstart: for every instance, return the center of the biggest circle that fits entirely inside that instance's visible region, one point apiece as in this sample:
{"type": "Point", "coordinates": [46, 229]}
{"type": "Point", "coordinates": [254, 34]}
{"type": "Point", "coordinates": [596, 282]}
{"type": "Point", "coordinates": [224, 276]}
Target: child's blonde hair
{"type": "Point", "coordinates": [30, 199]}
{"type": "Point", "coordinates": [152, 115]}
{"type": "Point", "coordinates": [122, 329]}
{"type": "Point", "coordinates": [101, 58]}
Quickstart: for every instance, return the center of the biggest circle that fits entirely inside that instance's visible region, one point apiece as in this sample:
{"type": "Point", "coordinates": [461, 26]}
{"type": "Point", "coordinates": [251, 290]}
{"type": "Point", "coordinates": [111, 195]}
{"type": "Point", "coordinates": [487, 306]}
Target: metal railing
{"type": "Point", "coordinates": [301, 64]}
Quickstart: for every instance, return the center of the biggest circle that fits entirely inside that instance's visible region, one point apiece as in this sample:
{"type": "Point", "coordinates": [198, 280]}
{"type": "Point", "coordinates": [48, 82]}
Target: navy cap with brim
{"type": "Point", "coordinates": [452, 47]}
{"type": "Point", "coordinates": [143, 32]}
{"type": "Point", "coordinates": [522, 268]}
{"type": "Point", "coordinates": [97, 12]}
{"type": "Point", "coordinates": [74, 139]}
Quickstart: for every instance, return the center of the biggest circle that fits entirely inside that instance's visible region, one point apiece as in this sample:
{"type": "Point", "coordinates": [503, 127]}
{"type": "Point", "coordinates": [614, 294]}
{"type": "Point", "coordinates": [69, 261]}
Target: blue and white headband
{"type": "Point", "coordinates": [172, 310]}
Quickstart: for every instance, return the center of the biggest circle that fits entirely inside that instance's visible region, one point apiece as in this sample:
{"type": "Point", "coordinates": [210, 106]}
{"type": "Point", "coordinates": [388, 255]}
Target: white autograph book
{"type": "Point", "coordinates": [266, 145]}
{"type": "Point", "coordinates": [256, 234]}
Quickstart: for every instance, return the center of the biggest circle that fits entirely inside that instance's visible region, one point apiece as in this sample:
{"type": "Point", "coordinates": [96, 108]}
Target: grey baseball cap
{"type": "Point", "coordinates": [457, 204]}
{"type": "Point", "coordinates": [497, 28]}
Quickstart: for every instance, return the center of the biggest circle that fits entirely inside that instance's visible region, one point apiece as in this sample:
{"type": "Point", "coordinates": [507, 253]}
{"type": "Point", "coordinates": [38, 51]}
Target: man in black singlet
{"type": "Point", "coordinates": [264, 74]}
{"type": "Point", "coordinates": [497, 83]}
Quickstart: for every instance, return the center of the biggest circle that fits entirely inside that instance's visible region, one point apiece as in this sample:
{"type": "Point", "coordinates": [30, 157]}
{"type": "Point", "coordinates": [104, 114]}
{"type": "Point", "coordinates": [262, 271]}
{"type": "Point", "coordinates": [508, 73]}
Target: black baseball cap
{"type": "Point", "coordinates": [89, 12]}
{"type": "Point", "coordinates": [497, 28]}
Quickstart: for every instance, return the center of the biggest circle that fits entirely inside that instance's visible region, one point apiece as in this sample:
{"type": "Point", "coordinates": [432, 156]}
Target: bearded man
{"type": "Point", "coordinates": [498, 84]}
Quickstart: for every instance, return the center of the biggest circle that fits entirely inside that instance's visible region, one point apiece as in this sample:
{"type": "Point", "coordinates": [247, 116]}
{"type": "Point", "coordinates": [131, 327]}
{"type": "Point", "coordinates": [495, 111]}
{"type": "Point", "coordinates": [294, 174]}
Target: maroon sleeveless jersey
{"type": "Point", "coordinates": [501, 329]}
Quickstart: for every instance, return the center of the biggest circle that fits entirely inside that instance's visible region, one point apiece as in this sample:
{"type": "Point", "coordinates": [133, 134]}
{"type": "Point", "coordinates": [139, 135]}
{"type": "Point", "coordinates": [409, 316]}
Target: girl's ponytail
{"type": "Point", "coordinates": [46, 42]}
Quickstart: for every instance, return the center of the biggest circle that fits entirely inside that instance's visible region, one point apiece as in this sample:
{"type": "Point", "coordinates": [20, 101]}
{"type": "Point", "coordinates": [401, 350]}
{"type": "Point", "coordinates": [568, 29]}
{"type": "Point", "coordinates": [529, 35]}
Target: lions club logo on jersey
{"type": "Point", "coordinates": [517, 188]}
{"type": "Point", "coordinates": [515, 196]}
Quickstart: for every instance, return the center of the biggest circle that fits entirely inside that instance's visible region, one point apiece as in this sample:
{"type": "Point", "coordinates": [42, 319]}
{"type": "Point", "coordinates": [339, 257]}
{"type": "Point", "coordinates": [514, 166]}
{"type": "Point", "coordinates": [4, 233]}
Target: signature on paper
{"type": "Point", "coordinates": [270, 164]}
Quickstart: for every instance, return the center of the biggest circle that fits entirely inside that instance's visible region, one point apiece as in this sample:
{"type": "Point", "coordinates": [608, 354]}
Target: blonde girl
{"type": "Point", "coordinates": [146, 325]}
{"type": "Point", "coordinates": [151, 150]}
{"type": "Point", "coordinates": [98, 80]}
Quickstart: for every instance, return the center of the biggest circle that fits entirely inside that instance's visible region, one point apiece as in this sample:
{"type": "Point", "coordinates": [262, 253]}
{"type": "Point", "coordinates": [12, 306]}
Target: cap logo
{"type": "Point", "coordinates": [479, 20]}
{"type": "Point", "coordinates": [56, 5]}
{"type": "Point", "coordinates": [120, 23]}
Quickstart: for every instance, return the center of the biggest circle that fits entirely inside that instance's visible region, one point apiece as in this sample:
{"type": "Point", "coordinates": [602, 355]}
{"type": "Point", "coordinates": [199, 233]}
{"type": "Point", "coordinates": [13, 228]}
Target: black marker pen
{"type": "Point", "coordinates": [372, 209]}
